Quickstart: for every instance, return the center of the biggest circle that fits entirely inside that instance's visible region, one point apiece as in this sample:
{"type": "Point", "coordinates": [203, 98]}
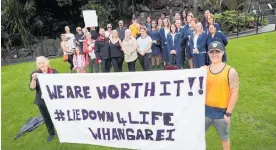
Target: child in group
{"type": "Point", "coordinates": [79, 61]}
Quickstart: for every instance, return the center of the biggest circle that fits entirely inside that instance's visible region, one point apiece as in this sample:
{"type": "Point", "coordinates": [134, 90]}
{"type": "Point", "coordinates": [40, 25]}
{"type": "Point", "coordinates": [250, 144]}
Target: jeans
{"type": "Point", "coordinates": [117, 63]}
{"type": "Point", "coordinates": [145, 61]}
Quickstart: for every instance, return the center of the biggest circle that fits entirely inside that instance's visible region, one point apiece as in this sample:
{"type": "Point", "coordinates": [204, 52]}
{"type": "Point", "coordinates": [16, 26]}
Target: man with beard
{"type": "Point", "coordinates": [102, 51]}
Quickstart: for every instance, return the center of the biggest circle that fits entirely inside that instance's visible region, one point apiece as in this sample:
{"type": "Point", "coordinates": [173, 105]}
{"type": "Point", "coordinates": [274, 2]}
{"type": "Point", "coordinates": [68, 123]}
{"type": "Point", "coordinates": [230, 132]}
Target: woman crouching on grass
{"type": "Point", "coordinates": [43, 67]}
{"type": "Point", "coordinates": [79, 61]}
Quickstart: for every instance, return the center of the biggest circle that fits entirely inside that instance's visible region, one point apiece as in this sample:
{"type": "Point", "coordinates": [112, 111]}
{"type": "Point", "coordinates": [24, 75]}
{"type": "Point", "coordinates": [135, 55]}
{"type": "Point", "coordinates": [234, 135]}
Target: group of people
{"type": "Point", "coordinates": [202, 44]}
{"type": "Point", "coordinates": [156, 43]}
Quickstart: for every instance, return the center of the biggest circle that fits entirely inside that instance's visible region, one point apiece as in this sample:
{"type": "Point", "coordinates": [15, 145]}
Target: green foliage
{"type": "Point", "coordinates": [229, 20]}
{"type": "Point", "coordinates": [16, 18]}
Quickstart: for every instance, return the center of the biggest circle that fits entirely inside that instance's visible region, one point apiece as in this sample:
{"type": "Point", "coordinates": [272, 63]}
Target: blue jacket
{"type": "Point", "coordinates": [162, 36]}
{"type": "Point", "coordinates": [219, 36]}
{"type": "Point", "coordinates": [201, 42]}
{"type": "Point", "coordinates": [187, 32]}
{"type": "Point", "coordinates": [174, 44]}
{"type": "Point", "coordinates": [206, 28]}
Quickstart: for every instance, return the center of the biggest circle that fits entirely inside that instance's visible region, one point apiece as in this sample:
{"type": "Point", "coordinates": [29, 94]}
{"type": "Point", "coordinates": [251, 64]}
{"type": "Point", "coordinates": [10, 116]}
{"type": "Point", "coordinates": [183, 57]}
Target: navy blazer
{"type": "Point", "coordinates": [201, 42]}
{"type": "Point", "coordinates": [219, 36]}
{"type": "Point", "coordinates": [176, 44]}
{"type": "Point", "coordinates": [154, 35]}
{"type": "Point", "coordinates": [206, 28]}
{"type": "Point", "coordinates": [162, 36]}
{"type": "Point", "coordinates": [187, 32]}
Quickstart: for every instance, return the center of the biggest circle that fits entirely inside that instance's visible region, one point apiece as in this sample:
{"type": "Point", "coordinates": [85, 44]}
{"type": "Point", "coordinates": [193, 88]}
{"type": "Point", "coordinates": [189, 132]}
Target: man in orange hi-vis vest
{"type": "Point", "coordinates": [222, 87]}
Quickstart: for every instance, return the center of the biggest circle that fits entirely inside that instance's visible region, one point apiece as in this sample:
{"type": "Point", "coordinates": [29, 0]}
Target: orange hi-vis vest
{"type": "Point", "coordinates": [217, 88]}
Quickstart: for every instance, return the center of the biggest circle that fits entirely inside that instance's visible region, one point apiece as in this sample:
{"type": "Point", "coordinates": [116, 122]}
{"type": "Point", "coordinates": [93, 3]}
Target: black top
{"type": "Point", "coordinates": [102, 49]}
{"type": "Point", "coordinates": [94, 34]}
{"type": "Point", "coordinates": [115, 49]}
{"type": "Point", "coordinates": [121, 32]}
{"type": "Point", "coordinates": [78, 38]}
{"type": "Point", "coordinates": [38, 99]}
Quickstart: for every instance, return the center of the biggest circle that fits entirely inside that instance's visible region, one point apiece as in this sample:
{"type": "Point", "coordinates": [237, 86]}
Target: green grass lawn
{"type": "Point", "coordinates": [253, 125]}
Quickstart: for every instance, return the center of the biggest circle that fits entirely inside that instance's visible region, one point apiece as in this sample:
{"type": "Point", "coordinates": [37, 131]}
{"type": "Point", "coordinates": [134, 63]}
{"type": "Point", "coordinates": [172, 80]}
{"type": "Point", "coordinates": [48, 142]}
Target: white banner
{"type": "Point", "coordinates": [157, 110]}
{"type": "Point", "coordinates": [90, 18]}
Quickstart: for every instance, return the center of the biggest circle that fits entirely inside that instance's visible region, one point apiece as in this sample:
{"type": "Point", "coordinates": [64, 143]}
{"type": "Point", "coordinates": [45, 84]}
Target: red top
{"type": "Point", "coordinates": [87, 49]}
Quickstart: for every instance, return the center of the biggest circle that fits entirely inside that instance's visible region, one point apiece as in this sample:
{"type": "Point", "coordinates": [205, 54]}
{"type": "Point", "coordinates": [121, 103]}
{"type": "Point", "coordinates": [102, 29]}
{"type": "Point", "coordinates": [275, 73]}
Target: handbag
{"type": "Point", "coordinates": [65, 58]}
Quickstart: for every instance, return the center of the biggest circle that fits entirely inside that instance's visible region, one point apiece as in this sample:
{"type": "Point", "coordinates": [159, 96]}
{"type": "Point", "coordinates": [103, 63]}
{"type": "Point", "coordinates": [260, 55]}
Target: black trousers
{"type": "Point", "coordinates": [117, 63]}
{"type": "Point", "coordinates": [145, 61]}
{"type": "Point", "coordinates": [47, 119]}
{"type": "Point", "coordinates": [106, 65]}
{"type": "Point", "coordinates": [131, 66]}
{"type": "Point", "coordinates": [70, 60]}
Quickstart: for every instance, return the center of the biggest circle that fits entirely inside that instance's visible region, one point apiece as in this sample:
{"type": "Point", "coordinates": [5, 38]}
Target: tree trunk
{"type": "Point", "coordinates": [195, 3]}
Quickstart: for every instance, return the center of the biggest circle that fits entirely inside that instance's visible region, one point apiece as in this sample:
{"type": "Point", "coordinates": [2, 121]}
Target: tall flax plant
{"type": "Point", "coordinates": [16, 17]}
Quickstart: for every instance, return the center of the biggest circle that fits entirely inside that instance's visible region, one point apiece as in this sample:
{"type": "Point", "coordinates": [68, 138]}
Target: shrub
{"type": "Point", "coordinates": [229, 20]}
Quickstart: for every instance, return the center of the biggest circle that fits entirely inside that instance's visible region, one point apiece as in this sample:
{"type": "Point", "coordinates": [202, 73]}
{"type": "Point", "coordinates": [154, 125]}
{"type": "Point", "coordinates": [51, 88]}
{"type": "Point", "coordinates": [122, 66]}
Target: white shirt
{"type": "Point", "coordinates": [70, 38]}
{"type": "Point", "coordinates": [173, 35]}
{"type": "Point", "coordinates": [195, 41]}
{"type": "Point", "coordinates": [166, 32]}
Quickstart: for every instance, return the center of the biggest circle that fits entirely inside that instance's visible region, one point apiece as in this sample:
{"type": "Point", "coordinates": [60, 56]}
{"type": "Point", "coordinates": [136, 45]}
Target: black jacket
{"type": "Point", "coordinates": [102, 49]}
{"type": "Point", "coordinates": [38, 99]}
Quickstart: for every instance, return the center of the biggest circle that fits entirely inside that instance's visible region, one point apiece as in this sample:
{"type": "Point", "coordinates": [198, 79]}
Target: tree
{"type": "Point", "coordinates": [16, 18]}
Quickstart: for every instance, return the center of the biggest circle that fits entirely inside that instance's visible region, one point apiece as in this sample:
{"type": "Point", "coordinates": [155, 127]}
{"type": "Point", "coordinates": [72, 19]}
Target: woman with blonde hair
{"type": "Point", "coordinates": [129, 46]}
{"type": "Point", "coordinates": [198, 46]}
{"type": "Point", "coordinates": [159, 24]}
{"type": "Point", "coordinates": [116, 52]}
{"type": "Point", "coordinates": [43, 67]}
{"type": "Point", "coordinates": [84, 31]}
{"type": "Point", "coordinates": [163, 35]}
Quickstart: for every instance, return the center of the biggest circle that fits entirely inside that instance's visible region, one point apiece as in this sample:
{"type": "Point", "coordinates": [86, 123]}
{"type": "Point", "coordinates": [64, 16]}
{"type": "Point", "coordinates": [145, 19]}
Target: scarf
{"type": "Point", "coordinates": [50, 71]}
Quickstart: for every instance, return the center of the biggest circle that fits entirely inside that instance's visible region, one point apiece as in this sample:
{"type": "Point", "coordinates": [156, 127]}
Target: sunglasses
{"type": "Point", "coordinates": [109, 27]}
